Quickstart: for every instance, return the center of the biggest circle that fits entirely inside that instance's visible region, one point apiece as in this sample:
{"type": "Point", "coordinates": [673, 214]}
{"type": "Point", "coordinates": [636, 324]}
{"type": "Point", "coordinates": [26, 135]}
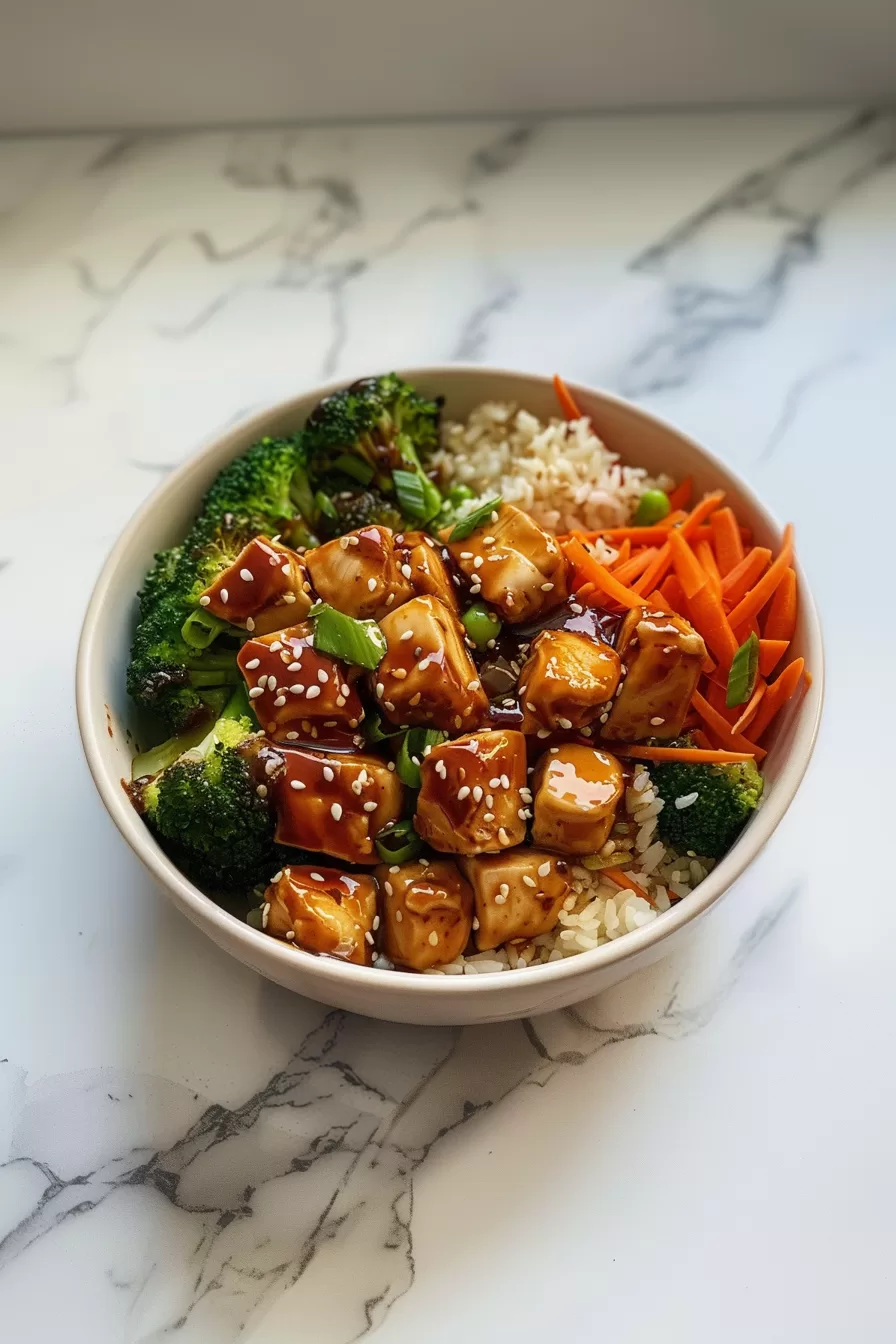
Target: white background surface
{"type": "Point", "coordinates": [704, 1153]}
{"type": "Point", "coordinates": [114, 63]}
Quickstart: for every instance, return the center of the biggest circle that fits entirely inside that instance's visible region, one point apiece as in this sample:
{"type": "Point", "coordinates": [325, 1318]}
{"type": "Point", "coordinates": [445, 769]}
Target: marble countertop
{"type": "Point", "coordinates": [704, 1152]}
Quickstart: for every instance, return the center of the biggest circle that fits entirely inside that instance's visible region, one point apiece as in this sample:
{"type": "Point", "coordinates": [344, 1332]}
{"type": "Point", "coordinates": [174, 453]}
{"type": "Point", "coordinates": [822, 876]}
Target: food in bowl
{"type": "Point", "coordinates": [456, 698]}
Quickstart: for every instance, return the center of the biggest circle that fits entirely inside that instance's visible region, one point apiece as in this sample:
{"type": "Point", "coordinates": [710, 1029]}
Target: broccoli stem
{"type": "Point", "coordinates": [157, 759]}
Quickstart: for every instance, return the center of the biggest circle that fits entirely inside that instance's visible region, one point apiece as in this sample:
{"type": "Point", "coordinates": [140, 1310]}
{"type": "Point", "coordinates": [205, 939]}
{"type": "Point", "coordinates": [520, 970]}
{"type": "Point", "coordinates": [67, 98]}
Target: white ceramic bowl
{"type": "Point", "coordinates": [105, 715]}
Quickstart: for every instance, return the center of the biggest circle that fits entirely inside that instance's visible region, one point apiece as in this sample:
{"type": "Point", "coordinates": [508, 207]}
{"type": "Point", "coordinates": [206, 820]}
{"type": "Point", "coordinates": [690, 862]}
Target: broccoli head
{"type": "Point", "coordinates": [174, 670]}
{"type": "Point", "coordinates": [204, 806]}
{"type": "Point", "coordinates": [360, 508]}
{"type": "Point", "coordinates": [726, 797]}
{"type": "Point", "coordinates": [372, 428]}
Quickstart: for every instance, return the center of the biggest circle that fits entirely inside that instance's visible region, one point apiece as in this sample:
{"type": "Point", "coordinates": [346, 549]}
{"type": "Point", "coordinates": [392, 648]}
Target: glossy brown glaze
{"type": "Point", "coordinates": [576, 792]}
{"type": "Point", "coordinates": [266, 588]}
{"type": "Point", "coordinates": [662, 656]}
{"type": "Point", "coordinates": [516, 895]}
{"type": "Point", "coordinates": [473, 793]}
{"type": "Point", "coordinates": [513, 564]}
{"type": "Point", "coordinates": [290, 685]}
{"type": "Point", "coordinates": [323, 910]}
{"type": "Point", "coordinates": [427, 567]}
{"type": "Point", "coordinates": [333, 804]}
{"type": "Point", "coordinates": [426, 914]}
{"type": "Point", "coordinates": [359, 574]}
{"type": "Point", "coordinates": [567, 680]}
{"type": "Point", "coordinates": [427, 676]}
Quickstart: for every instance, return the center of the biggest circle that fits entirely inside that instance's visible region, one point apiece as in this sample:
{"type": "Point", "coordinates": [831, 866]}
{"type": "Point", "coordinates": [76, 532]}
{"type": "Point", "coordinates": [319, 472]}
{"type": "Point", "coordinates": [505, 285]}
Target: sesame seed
{"type": "Point", "coordinates": [390, 599]}
{"type": "Point", "coordinates": [473, 685]}
{"type": "Point", "coordinates": [340, 701]}
{"type": "Point", "coordinates": [553, 751]}
{"type": "Point", "coordinates": [280, 702]}
{"type": "Point", "coordinates": [370, 807]}
{"type": "Point", "coordinates": [289, 598]}
{"type": "Point", "coordinates": [522, 814]}
{"type": "Point", "coordinates": [398, 916]}
{"type": "Point", "coordinates": [495, 783]}
{"type": "Point", "coordinates": [296, 784]}
{"type": "Point", "coordinates": [544, 869]}
{"type": "Point", "coordinates": [247, 576]}
{"type": "Point", "coordinates": [272, 682]}
{"type": "Point", "coordinates": [224, 596]}
{"type": "Point", "coordinates": [285, 569]}
{"type": "Point", "coordinates": [371, 585]}
{"type": "Point", "coordinates": [336, 811]}
{"type": "Point", "coordinates": [618, 690]}
{"type": "Point", "coordinates": [204, 600]}
{"type": "Point", "coordinates": [477, 793]}
{"type": "Point", "coordinates": [529, 881]}
{"type": "Point", "coordinates": [500, 899]}
{"type": "Point", "coordinates": [586, 732]}
{"type": "Point", "coordinates": [503, 837]}
{"type": "Point", "coordinates": [603, 719]}
{"type": "Point", "coordinates": [394, 868]}
{"type": "Point", "coordinates": [489, 800]}
{"type": "Point", "coordinates": [477, 563]}
{"type": "Point", "coordinates": [488, 541]}
{"type": "Point", "coordinates": [328, 773]}
{"type": "Point", "coordinates": [387, 704]}
{"type": "Point", "coordinates": [390, 765]}
{"type": "Point", "coordinates": [399, 673]}
{"type": "Point", "coordinates": [433, 939]}
{"type": "Point", "coordinates": [343, 542]}
{"type": "Point", "coordinates": [262, 790]}
{"type": "Point", "coordinates": [509, 599]}
{"type": "Point", "coordinates": [265, 911]}
{"type": "Point", "coordinates": [255, 692]}
{"type": "Point", "coordinates": [505, 782]}
{"type": "Point", "coordinates": [408, 634]}
{"type": "Point", "coordinates": [565, 723]}
{"type": "Point", "coordinates": [488, 816]}
{"type": "Point", "coordinates": [463, 793]}
{"type": "Point", "coordinates": [576, 607]}
{"type": "Point", "coordinates": [423, 664]}
{"type": "Point", "coordinates": [294, 667]}
{"type": "Point", "coordinates": [368, 936]}
{"type": "Point", "coordinates": [312, 693]}
{"type": "Point", "coordinates": [466, 555]}
{"type": "Point", "coordinates": [686, 800]}
{"type": "Point", "coordinates": [415, 700]}
{"type": "Point", "coordinates": [376, 921]}
{"type": "Point", "coordinates": [292, 737]}
{"type": "Point", "coordinates": [354, 541]}
{"type": "Point", "coordinates": [316, 877]}
{"type": "Point", "coordinates": [406, 571]}
{"type": "Point", "coordinates": [297, 689]}
{"type": "Point", "coordinates": [458, 721]}
{"type": "Point", "coordinates": [322, 676]}
{"type": "Point", "coordinates": [252, 664]}
{"type": "Point", "coordinates": [547, 587]}
{"type": "Point", "coordinates": [493, 516]}
{"type": "Point", "coordinates": [656, 721]}
{"type": "Point", "coordinates": [380, 688]}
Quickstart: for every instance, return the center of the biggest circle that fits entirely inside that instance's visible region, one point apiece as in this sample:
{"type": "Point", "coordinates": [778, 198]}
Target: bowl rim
{"type": "Point", "coordinates": [203, 910]}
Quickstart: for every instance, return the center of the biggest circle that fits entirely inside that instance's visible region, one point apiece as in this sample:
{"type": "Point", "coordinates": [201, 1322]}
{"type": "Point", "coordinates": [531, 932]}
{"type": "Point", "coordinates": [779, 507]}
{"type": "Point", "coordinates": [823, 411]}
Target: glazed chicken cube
{"type": "Point", "coordinates": [427, 912]}
{"type": "Point", "coordinates": [265, 589]}
{"type": "Point", "coordinates": [424, 565]}
{"type": "Point", "coordinates": [323, 910]}
{"type": "Point", "coordinates": [577, 790]}
{"type": "Point", "coordinates": [514, 564]}
{"type": "Point", "coordinates": [294, 689]}
{"type": "Point", "coordinates": [566, 680]}
{"type": "Point", "coordinates": [359, 574]}
{"type": "Point", "coordinates": [332, 803]}
{"type": "Point", "coordinates": [662, 656]}
{"type": "Point", "coordinates": [427, 676]}
{"type": "Point", "coordinates": [473, 796]}
{"type": "Point", "coordinates": [515, 895]}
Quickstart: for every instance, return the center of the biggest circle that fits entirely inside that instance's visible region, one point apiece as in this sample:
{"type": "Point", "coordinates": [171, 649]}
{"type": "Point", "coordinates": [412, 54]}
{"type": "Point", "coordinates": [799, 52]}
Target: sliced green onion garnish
{"type": "Point", "coordinates": [744, 670]}
{"type": "Point", "coordinates": [375, 728]}
{"type": "Point", "coordinates": [201, 629]}
{"type": "Point", "coordinates": [324, 505]}
{"type": "Point", "coordinates": [413, 749]}
{"type": "Point", "coordinates": [341, 636]}
{"type": "Point", "coordinates": [255, 917]}
{"type": "Point", "coordinates": [355, 467]}
{"type": "Point", "coordinates": [469, 524]}
{"type": "Point", "coordinates": [418, 498]}
{"type": "Point", "coordinates": [398, 843]}
{"type": "Point", "coordinates": [159, 758]}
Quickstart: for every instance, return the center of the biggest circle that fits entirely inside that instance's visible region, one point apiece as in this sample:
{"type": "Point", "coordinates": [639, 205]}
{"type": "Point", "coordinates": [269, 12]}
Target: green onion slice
{"type": "Point", "coordinates": [325, 506]}
{"type": "Point", "coordinates": [412, 751]}
{"type": "Point", "coordinates": [355, 467]}
{"type": "Point", "coordinates": [469, 524]}
{"type": "Point", "coordinates": [744, 670]}
{"type": "Point", "coordinates": [376, 729]}
{"type": "Point", "coordinates": [398, 843]}
{"type": "Point", "coordinates": [201, 629]}
{"type": "Point", "coordinates": [341, 636]}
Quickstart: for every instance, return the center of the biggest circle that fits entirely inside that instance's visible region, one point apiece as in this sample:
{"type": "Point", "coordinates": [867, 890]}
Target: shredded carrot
{"type": "Point", "coordinates": [680, 497]}
{"type": "Point", "coordinates": [726, 538]}
{"type": "Point", "coordinates": [659, 603]}
{"type": "Point", "coordinates": [566, 399]}
{"type": "Point", "coordinates": [756, 597]}
{"type": "Point", "coordinates": [750, 708]}
{"type": "Point", "coordinates": [777, 695]}
{"type": "Point", "coordinates": [722, 729]}
{"type": "Point", "coordinates": [618, 876]}
{"type": "Point", "coordinates": [694, 755]}
{"type": "Point", "coordinates": [701, 739]}
{"type": "Point", "coordinates": [672, 519]}
{"type": "Point", "coordinates": [780, 622]}
{"type": "Point", "coordinates": [647, 536]}
{"type": "Point", "coordinates": [622, 554]}
{"type": "Point", "coordinates": [690, 572]}
{"type": "Point", "coordinates": [635, 566]}
{"type": "Point", "coordinates": [771, 651]}
{"type": "Point", "coordinates": [704, 606]}
{"type": "Point", "coordinates": [652, 577]}
{"type": "Point", "coordinates": [744, 575]}
{"type": "Point", "coordinates": [705, 554]}
{"type": "Point", "coordinates": [600, 576]}
{"type": "Point", "coordinates": [672, 592]}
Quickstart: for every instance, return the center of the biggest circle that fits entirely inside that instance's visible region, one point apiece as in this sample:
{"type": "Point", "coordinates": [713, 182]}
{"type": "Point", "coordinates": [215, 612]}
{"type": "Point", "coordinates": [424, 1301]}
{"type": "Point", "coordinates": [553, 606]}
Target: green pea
{"type": "Point", "coordinates": [458, 493]}
{"type": "Point", "coordinates": [653, 507]}
{"type": "Point", "coordinates": [481, 624]}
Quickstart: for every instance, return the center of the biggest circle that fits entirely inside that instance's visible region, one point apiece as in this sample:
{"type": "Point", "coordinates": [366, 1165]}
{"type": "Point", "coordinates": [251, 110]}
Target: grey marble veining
{"type": "Point", "coordinates": [186, 1151]}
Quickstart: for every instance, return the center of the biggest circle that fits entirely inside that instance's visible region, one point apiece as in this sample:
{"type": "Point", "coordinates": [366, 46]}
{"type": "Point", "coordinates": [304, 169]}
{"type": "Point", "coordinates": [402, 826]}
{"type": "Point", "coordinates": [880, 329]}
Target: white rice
{"type": "Point", "coordinates": [561, 473]}
{"type": "Point", "coordinates": [597, 911]}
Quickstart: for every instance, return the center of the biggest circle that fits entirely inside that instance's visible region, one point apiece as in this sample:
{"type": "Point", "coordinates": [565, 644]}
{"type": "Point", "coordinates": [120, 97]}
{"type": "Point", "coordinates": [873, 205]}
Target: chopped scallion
{"type": "Point", "coordinates": [471, 521]}
{"type": "Point", "coordinates": [413, 749]}
{"type": "Point", "coordinates": [398, 843]}
{"type": "Point", "coordinates": [341, 636]}
{"type": "Point", "coordinates": [744, 670]}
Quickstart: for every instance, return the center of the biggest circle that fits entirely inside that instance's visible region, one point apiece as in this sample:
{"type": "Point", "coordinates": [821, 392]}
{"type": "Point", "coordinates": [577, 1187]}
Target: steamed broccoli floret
{"type": "Point", "coordinates": [361, 508]}
{"type": "Point", "coordinates": [179, 678]}
{"type": "Point", "coordinates": [727, 795]}
{"type": "Point", "coordinates": [383, 424]}
{"type": "Point", "coordinates": [204, 807]}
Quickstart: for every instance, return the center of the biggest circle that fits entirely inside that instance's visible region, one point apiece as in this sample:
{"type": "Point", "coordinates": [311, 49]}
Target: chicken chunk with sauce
{"type": "Point", "coordinates": [577, 790]}
{"type": "Point", "coordinates": [662, 655]}
{"type": "Point", "coordinates": [265, 589]}
{"type": "Point", "coordinates": [292, 685]}
{"type": "Point", "coordinates": [566, 680]}
{"type": "Point", "coordinates": [513, 564]}
{"type": "Point", "coordinates": [427, 676]}
{"type": "Point", "coordinates": [427, 912]}
{"type": "Point", "coordinates": [516, 895]}
{"type": "Point", "coordinates": [332, 803]}
{"type": "Point", "coordinates": [360, 574]}
{"type": "Point", "coordinates": [323, 910]}
{"type": "Point", "coordinates": [473, 795]}
{"type": "Point", "coordinates": [426, 569]}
